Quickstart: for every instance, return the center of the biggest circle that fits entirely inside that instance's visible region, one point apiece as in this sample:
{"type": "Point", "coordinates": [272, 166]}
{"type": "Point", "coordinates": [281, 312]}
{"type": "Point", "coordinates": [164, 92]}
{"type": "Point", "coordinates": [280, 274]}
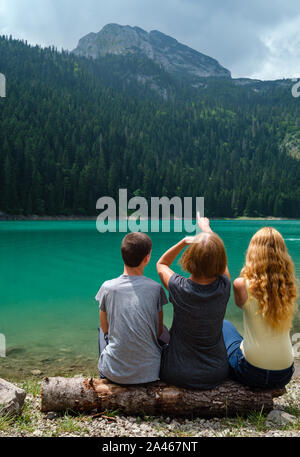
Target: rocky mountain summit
{"type": "Point", "coordinates": [175, 58]}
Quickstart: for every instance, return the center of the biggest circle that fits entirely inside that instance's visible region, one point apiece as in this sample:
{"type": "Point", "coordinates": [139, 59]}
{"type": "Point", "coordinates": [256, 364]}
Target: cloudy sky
{"type": "Point", "coordinates": [252, 38]}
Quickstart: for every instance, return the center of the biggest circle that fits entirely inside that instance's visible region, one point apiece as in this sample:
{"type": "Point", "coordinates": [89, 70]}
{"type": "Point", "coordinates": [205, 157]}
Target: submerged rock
{"type": "Point", "coordinates": [36, 372]}
{"type": "Point", "coordinates": [15, 351]}
{"type": "Point", "coordinates": [11, 398]}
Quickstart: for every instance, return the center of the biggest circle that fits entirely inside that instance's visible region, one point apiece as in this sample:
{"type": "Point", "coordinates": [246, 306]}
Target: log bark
{"type": "Point", "coordinates": [85, 395]}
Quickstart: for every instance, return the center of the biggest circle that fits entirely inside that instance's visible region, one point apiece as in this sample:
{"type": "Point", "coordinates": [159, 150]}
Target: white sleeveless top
{"type": "Point", "coordinates": [263, 346]}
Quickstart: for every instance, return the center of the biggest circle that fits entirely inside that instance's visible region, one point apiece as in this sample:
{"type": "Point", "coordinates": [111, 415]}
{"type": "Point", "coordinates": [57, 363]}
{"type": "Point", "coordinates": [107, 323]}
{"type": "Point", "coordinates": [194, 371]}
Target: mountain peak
{"type": "Point", "coordinates": [176, 58]}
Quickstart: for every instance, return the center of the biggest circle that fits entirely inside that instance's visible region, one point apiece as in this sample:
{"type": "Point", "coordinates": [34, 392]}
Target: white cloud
{"type": "Point", "coordinates": [250, 37]}
{"type": "Point", "coordinates": [283, 44]}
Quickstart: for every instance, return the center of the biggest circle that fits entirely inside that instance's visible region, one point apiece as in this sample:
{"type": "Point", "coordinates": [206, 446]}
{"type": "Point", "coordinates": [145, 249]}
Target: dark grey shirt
{"type": "Point", "coordinates": [132, 304]}
{"type": "Point", "coordinates": [196, 356]}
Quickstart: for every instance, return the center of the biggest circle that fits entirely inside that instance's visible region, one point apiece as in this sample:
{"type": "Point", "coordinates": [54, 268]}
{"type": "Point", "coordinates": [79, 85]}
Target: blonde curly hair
{"type": "Point", "coordinates": [271, 275]}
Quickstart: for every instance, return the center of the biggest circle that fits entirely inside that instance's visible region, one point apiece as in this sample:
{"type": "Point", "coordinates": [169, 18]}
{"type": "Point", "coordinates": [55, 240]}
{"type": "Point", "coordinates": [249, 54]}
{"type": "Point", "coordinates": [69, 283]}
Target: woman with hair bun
{"type": "Point", "coordinates": [266, 292]}
{"type": "Point", "coordinates": [196, 356]}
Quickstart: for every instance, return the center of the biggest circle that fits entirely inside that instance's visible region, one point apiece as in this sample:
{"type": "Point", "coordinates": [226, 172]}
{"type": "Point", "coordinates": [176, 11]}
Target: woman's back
{"type": "Point", "coordinates": [196, 355]}
{"type": "Point", "coordinates": [263, 346]}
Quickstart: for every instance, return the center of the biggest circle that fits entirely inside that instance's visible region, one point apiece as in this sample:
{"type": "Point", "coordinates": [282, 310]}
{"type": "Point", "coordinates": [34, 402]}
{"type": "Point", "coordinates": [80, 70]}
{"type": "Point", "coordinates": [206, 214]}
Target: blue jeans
{"type": "Point", "coordinates": [102, 343]}
{"type": "Point", "coordinates": [245, 373]}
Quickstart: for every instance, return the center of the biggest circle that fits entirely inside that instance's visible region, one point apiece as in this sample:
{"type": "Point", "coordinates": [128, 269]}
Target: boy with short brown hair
{"type": "Point", "coordinates": [131, 316]}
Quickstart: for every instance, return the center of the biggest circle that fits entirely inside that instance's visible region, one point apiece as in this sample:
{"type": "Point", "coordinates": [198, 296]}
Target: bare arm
{"type": "Point", "coordinates": [160, 322]}
{"type": "Point", "coordinates": [226, 273]}
{"type": "Point", "coordinates": [166, 260]}
{"type": "Point", "coordinates": [103, 322]}
{"type": "Point", "coordinates": [240, 292]}
{"type": "Point", "coordinates": [164, 263]}
{"type": "Point", "coordinates": [204, 225]}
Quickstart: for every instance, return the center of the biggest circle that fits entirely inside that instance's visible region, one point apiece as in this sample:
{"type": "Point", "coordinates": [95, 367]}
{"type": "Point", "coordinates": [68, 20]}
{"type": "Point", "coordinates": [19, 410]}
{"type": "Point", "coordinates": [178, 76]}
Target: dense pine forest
{"type": "Point", "coordinates": [73, 130]}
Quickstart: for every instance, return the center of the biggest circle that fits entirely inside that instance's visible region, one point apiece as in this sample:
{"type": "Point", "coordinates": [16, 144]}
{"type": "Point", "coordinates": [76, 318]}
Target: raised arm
{"type": "Point", "coordinates": [204, 225]}
{"type": "Point", "coordinates": [166, 260]}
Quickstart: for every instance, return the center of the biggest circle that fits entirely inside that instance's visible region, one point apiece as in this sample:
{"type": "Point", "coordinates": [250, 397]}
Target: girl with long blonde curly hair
{"type": "Point", "coordinates": [266, 292]}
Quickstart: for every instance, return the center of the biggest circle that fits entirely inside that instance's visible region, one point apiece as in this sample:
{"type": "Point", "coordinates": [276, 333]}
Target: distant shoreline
{"type": "Point", "coordinates": [7, 218]}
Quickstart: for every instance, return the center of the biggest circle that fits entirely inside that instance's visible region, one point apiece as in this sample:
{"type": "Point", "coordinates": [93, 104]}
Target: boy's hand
{"type": "Point", "coordinates": [203, 223]}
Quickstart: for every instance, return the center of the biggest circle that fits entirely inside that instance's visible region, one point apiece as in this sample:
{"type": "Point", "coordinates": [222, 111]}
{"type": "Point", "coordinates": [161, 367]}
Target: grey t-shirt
{"type": "Point", "coordinates": [132, 304]}
{"type": "Point", "coordinates": [196, 356]}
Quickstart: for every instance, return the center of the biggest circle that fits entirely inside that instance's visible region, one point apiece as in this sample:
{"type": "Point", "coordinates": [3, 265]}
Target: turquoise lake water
{"type": "Point", "coordinates": [51, 271]}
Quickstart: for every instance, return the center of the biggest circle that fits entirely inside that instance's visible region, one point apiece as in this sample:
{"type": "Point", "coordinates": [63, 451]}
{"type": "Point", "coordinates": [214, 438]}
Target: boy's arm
{"type": "Point", "coordinates": [101, 298]}
{"type": "Point", "coordinates": [103, 322]}
{"type": "Point", "coordinates": [160, 322]}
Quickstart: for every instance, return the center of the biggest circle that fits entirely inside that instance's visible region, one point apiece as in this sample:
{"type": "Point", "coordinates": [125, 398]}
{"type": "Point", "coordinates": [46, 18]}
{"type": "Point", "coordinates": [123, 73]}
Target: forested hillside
{"type": "Point", "coordinates": [73, 130]}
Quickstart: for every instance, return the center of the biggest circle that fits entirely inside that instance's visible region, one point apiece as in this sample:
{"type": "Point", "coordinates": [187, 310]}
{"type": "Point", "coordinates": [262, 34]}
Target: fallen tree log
{"type": "Point", "coordinates": [85, 395]}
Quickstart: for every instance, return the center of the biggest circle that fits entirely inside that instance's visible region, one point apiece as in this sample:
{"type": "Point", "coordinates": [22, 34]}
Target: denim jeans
{"type": "Point", "coordinates": [245, 373]}
{"type": "Point", "coordinates": [102, 343]}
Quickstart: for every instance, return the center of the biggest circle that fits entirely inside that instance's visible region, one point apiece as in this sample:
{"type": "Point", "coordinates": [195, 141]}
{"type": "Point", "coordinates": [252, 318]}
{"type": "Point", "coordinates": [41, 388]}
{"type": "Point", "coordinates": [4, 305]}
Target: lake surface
{"type": "Point", "coordinates": [51, 271]}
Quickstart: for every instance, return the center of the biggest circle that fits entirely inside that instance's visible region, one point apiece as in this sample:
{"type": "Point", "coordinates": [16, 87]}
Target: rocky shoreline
{"type": "Point", "coordinates": [283, 421]}
{"type": "Point", "coordinates": [10, 217]}
{"type": "Point", "coordinates": [7, 218]}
